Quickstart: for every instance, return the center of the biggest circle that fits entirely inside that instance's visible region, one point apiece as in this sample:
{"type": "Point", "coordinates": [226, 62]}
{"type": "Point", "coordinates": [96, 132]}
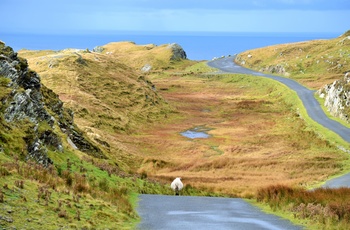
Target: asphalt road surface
{"type": "Point", "coordinates": [205, 213]}
{"type": "Point", "coordinates": [180, 212]}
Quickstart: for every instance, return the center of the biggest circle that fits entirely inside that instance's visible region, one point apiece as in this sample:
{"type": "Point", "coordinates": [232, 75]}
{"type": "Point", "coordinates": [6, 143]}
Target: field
{"type": "Point", "coordinates": [260, 135]}
{"type": "Point", "coordinates": [258, 138]}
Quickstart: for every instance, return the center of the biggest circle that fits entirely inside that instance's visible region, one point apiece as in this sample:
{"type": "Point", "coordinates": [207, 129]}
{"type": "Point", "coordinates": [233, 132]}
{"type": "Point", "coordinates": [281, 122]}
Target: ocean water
{"type": "Point", "coordinates": [204, 46]}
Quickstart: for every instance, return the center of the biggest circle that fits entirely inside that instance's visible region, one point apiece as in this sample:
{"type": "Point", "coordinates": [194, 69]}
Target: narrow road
{"type": "Point", "coordinates": [205, 213]}
{"type": "Point", "coordinates": [180, 212]}
{"type": "Point", "coordinates": [306, 95]}
{"type": "Point", "coordinates": [311, 105]}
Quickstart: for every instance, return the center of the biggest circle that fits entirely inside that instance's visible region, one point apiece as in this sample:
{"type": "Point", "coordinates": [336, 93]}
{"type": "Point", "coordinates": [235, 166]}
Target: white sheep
{"type": "Point", "coordinates": [177, 185]}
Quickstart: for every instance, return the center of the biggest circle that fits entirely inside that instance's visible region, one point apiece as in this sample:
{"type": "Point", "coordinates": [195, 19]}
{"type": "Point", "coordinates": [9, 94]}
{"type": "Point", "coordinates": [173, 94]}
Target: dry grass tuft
{"type": "Point", "coordinates": [328, 207]}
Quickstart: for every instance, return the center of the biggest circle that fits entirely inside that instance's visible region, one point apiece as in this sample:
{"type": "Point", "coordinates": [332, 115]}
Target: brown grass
{"type": "Point", "coordinates": [257, 136]}
{"type": "Point", "coordinates": [313, 63]}
{"type": "Point", "coordinates": [256, 140]}
{"type": "Point", "coordinates": [328, 207]}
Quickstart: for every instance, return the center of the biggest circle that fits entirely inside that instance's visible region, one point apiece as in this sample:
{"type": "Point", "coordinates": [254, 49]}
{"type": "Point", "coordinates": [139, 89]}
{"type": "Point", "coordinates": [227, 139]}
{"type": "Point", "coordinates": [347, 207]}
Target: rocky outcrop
{"type": "Point", "coordinates": [337, 97]}
{"type": "Point", "coordinates": [275, 69]}
{"type": "Point", "coordinates": [178, 52]}
{"type": "Point", "coordinates": [29, 100]}
{"type": "Point", "coordinates": [98, 49]}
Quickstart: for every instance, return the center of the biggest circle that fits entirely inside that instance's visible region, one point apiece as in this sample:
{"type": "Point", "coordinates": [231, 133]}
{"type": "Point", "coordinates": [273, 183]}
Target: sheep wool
{"type": "Point", "coordinates": [177, 185]}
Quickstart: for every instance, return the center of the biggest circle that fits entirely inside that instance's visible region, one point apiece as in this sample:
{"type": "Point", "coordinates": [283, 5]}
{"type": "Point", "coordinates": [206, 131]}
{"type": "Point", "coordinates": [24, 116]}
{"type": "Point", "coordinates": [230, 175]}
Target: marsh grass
{"type": "Point", "coordinates": [260, 135]}
{"type": "Point", "coordinates": [324, 207]}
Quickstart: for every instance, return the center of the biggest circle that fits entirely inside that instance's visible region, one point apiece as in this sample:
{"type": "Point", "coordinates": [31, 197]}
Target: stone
{"type": "Point", "coordinates": [146, 68]}
{"type": "Point", "coordinates": [98, 49]}
{"type": "Point", "coordinates": [337, 97]}
{"type": "Point", "coordinates": [32, 101]}
{"type": "Point", "coordinates": [178, 52]}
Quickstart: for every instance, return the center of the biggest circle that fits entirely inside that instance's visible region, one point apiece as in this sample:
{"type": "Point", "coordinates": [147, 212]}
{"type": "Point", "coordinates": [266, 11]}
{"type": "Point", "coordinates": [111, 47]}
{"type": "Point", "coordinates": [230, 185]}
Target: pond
{"type": "Point", "coordinates": [197, 132]}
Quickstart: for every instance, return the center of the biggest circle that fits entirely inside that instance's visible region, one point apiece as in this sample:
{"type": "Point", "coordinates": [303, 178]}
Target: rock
{"type": "Point", "coordinates": [337, 97]}
{"type": "Point", "coordinates": [98, 49]}
{"type": "Point", "coordinates": [146, 68]}
{"type": "Point", "coordinates": [6, 219]}
{"type": "Point", "coordinates": [53, 63]}
{"type": "Point", "coordinates": [31, 101]}
{"type": "Point", "coordinates": [178, 52]}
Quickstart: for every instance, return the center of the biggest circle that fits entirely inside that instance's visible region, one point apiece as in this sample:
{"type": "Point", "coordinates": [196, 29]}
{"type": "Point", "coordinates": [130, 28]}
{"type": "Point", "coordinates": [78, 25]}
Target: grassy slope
{"type": "Point", "coordinates": [106, 96]}
{"type": "Point", "coordinates": [110, 100]}
{"type": "Point", "coordinates": [259, 135]}
{"type": "Point", "coordinates": [313, 63]}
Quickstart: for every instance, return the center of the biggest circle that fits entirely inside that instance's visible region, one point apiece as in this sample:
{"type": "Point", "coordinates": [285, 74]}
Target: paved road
{"type": "Point", "coordinates": [205, 213]}
{"type": "Point", "coordinates": [312, 106]}
{"type": "Point", "coordinates": [181, 212]}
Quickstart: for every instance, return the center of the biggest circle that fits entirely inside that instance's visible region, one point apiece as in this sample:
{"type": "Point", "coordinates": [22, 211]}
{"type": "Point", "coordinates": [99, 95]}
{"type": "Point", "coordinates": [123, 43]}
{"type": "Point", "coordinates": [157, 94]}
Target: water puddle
{"type": "Point", "coordinates": [196, 132]}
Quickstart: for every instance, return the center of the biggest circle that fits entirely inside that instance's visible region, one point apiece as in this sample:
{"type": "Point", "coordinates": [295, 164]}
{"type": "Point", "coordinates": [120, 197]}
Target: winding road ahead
{"type": "Point", "coordinates": [180, 212]}
{"type": "Point", "coordinates": [312, 106]}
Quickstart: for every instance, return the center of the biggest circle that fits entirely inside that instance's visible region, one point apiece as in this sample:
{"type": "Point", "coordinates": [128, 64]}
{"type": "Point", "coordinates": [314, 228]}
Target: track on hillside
{"type": "Point", "coordinates": [306, 95]}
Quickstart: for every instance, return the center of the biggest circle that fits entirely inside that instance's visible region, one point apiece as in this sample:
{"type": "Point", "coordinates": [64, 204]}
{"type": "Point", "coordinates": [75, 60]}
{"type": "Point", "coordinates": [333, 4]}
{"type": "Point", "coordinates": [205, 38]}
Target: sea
{"type": "Point", "coordinates": [198, 46]}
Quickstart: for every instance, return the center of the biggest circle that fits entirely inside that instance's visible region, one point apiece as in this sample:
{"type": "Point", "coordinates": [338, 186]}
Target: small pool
{"type": "Point", "coordinates": [197, 132]}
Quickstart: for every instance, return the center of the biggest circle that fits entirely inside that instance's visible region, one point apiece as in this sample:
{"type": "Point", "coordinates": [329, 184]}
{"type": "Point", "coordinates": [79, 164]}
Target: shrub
{"type": "Point", "coordinates": [80, 184]}
{"type": "Point", "coordinates": [62, 214]}
{"type": "Point", "coordinates": [103, 185]}
{"type": "Point", "coordinates": [2, 197]}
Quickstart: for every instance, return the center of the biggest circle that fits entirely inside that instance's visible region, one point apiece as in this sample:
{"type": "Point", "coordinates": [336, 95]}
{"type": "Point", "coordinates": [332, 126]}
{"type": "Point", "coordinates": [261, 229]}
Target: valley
{"type": "Point", "coordinates": [132, 104]}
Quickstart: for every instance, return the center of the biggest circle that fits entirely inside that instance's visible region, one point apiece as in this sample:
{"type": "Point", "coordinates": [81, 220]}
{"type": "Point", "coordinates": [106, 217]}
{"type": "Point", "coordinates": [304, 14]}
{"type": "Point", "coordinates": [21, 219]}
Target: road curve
{"type": "Point", "coordinates": [159, 212]}
{"type": "Point", "coordinates": [306, 95]}
{"type": "Point", "coordinates": [206, 213]}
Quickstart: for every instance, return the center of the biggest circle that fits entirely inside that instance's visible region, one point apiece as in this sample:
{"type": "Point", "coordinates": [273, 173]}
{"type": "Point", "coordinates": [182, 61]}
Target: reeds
{"type": "Point", "coordinates": [323, 205]}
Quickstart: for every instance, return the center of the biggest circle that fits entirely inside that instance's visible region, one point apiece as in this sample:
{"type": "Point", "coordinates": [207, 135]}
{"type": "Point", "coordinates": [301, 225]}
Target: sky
{"type": "Point", "coordinates": [187, 16]}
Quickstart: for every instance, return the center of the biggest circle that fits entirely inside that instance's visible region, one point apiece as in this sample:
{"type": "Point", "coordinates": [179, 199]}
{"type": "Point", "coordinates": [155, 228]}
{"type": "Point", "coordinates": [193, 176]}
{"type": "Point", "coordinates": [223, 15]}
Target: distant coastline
{"type": "Point", "coordinates": [198, 46]}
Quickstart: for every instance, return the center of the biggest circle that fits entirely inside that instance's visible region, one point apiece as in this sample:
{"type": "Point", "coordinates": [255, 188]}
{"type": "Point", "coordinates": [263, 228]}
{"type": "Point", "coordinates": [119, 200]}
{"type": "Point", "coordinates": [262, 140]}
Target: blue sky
{"type": "Point", "coordinates": [90, 16]}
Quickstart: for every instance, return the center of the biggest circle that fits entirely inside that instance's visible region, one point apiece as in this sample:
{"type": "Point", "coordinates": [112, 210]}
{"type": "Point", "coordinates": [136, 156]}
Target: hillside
{"type": "Point", "coordinates": [143, 57]}
{"type": "Point", "coordinates": [54, 173]}
{"type": "Point", "coordinates": [321, 64]}
{"type": "Point", "coordinates": [313, 63]}
{"type": "Point", "coordinates": [146, 138]}
{"type": "Point", "coordinates": [134, 102]}
{"type": "Point", "coordinates": [106, 90]}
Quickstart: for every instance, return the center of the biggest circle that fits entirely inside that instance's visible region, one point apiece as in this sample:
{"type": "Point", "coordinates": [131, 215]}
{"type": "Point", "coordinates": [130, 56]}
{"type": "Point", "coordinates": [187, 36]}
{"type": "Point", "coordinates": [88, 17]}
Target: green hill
{"type": "Point", "coordinates": [108, 125]}
{"type": "Point", "coordinates": [58, 169]}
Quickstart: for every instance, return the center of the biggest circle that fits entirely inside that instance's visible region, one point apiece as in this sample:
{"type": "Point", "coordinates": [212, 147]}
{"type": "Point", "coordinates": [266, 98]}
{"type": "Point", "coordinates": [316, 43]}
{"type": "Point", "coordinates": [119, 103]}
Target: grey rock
{"type": "Point", "coordinates": [337, 97]}
{"type": "Point", "coordinates": [31, 100]}
{"type": "Point", "coordinates": [98, 49]}
{"type": "Point", "coordinates": [146, 68]}
{"type": "Point", "coordinates": [178, 52]}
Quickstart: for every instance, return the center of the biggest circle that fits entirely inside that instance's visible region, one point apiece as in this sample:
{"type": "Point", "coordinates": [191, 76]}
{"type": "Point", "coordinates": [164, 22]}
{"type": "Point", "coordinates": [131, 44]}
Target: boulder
{"type": "Point", "coordinates": [337, 97]}
{"type": "Point", "coordinates": [98, 49]}
{"type": "Point", "coordinates": [178, 52]}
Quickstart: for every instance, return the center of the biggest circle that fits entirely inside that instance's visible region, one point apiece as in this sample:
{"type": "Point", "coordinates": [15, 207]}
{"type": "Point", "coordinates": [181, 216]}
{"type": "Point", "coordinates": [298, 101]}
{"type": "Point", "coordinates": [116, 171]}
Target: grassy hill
{"type": "Point", "coordinates": [107, 96]}
{"type": "Point", "coordinates": [249, 124]}
{"type": "Point", "coordinates": [71, 164]}
{"type": "Point", "coordinates": [259, 135]}
{"type": "Point", "coordinates": [312, 63]}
